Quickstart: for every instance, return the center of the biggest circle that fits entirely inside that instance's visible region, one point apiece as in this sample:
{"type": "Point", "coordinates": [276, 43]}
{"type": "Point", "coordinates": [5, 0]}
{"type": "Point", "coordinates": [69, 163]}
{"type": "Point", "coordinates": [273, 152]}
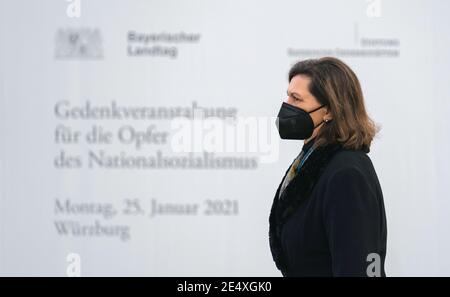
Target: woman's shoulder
{"type": "Point", "coordinates": [347, 160]}
{"type": "Point", "coordinates": [350, 170]}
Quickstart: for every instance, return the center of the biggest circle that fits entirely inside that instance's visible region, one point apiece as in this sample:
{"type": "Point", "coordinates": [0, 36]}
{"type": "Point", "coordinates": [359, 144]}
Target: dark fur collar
{"type": "Point", "coordinates": [297, 191]}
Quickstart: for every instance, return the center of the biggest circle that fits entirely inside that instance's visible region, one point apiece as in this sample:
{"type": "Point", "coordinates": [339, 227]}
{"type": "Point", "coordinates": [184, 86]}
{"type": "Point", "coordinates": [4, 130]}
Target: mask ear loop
{"type": "Point", "coordinates": [323, 121]}
{"type": "Point", "coordinates": [320, 124]}
{"type": "Point", "coordinates": [316, 108]}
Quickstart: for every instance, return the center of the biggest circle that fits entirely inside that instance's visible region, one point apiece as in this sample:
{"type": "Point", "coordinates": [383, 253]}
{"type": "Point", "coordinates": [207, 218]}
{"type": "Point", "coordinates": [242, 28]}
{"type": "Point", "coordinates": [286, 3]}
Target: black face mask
{"type": "Point", "coordinates": [294, 122]}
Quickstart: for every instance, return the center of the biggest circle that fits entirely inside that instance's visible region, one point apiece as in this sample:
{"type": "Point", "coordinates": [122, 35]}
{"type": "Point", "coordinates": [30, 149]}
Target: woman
{"type": "Point", "coordinates": [328, 217]}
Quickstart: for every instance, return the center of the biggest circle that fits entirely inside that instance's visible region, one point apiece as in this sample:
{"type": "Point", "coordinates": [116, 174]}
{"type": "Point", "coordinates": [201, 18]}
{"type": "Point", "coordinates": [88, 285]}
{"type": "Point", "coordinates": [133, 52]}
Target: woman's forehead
{"type": "Point", "coordinates": [299, 85]}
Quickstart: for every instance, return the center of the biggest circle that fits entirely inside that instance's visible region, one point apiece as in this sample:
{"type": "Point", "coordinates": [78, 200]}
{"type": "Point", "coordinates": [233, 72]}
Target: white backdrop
{"type": "Point", "coordinates": [231, 56]}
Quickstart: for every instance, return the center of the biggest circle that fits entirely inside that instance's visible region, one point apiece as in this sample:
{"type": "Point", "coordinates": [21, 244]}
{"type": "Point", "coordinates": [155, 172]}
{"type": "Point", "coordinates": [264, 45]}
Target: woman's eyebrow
{"type": "Point", "coordinates": [293, 93]}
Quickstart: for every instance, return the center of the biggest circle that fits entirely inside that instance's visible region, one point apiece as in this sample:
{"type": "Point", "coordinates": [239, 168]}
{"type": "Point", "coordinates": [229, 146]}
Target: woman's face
{"type": "Point", "coordinates": [299, 96]}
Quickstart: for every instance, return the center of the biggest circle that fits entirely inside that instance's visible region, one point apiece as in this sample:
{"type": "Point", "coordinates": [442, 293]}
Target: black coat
{"type": "Point", "coordinates": [339, 228]}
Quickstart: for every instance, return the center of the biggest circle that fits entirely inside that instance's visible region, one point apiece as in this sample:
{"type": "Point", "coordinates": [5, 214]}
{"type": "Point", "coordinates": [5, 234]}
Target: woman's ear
{"type": "Point", "coordinates": [327, 116]}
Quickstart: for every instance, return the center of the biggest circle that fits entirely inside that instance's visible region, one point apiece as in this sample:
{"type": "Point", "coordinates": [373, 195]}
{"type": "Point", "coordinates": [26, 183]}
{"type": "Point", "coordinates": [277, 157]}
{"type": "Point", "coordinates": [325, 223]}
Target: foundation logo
{"type": "Point", "coordinates": [78, 43]}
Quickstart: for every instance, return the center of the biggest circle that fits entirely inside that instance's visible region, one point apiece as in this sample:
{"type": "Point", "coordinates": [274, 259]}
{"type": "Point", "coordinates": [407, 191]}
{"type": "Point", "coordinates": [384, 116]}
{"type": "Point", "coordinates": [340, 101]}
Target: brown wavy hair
{"type": "Point", "coordinates": [335, 85]}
